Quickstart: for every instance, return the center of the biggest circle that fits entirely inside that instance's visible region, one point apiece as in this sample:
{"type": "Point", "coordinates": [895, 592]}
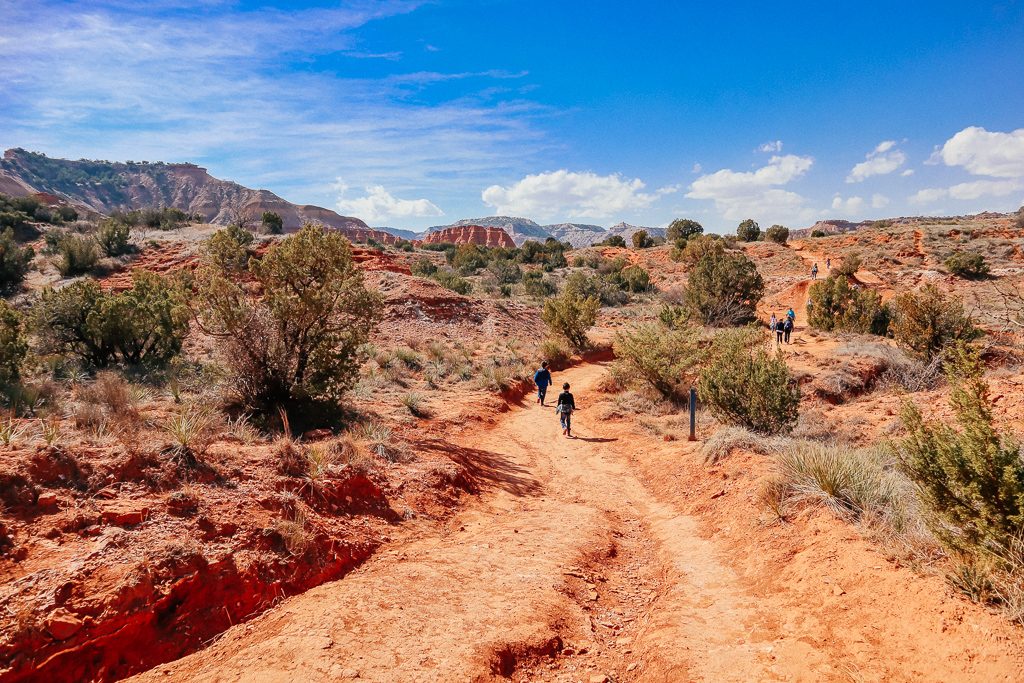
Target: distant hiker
{"type": "Point", "coordinates": [542, 378]}
{"type": "Point", "coordinates": [787, 327]}
{"type": "Point", "coordinates": [828, 264]}
{"type": "Point", "coordinates": [773, 323]}
{"type": "Point", "coordinates": [565, 407]}
{"type": "Point", "coordinates": [779, 329]}
{"type": "Point", "coordinates": [791, 314]}
{"type": "Point", "coordinates": [814, 272]}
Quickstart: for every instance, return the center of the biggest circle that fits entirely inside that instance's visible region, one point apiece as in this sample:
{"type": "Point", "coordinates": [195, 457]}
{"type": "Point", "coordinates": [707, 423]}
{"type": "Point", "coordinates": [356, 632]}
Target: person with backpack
{"type": "Point", "coordinates": [787, 328]}
{"type": "Point", "coordinates": [565, 407]}
{"type": "Point", "coordinates": [542, 378]}
{"type": "Point", "coordinates": [779, 329]}
{"type": "Point", "coordinates": [791, 314]}
{"type": "Point", "coordinates": [814, 272]}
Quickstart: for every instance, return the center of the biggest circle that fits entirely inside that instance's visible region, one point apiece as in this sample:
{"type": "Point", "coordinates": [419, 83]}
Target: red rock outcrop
{"type": "Point", "coordinates": [471, 234]}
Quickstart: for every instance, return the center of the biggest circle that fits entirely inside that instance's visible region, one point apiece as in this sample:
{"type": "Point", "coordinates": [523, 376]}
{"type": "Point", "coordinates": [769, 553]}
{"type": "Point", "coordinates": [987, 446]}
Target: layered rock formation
{"type": "Point", "coordinates": [471, 234]}
{"type": "Point", "coordinates": [104, 186]}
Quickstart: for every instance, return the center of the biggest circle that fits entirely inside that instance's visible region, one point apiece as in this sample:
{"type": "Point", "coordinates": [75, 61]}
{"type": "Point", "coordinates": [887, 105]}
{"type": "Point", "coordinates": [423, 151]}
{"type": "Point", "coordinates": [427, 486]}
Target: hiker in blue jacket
{"type": "Point", "coordinates": [542, 378]}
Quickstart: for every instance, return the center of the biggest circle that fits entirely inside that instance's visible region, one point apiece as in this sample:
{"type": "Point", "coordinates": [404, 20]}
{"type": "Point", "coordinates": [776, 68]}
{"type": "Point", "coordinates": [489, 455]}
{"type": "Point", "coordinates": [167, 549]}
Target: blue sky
{"type": "Point", "coordinates": [412, 114]}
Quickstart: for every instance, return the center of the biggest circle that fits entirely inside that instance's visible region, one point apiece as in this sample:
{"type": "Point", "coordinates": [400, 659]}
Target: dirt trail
{"type": "Point", "coordinates": [552, 556]}
{"type": "Point", "coordinates": [569, 552]}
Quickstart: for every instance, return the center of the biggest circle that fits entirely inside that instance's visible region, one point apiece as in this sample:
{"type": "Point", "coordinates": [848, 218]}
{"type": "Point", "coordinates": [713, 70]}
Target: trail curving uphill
{"type": "Point", "coordinates": [566, 568]}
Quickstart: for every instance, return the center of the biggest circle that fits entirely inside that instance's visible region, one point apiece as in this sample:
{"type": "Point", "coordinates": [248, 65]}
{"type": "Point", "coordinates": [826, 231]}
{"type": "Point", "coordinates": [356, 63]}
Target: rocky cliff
{"type": "Point", "coordinates": [105, 186]}
{"type": "Point", "coordinates": [519, 229]}
{"type": "Point", "coordinates": [471, 234]}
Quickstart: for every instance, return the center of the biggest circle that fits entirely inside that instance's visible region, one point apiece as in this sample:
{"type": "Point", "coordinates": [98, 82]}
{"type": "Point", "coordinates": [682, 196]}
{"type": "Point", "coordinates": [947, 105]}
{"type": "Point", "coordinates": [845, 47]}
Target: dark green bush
{"type": "Point", "coordinates": [450, 280]}
{"type": "Point", "coordinates": [849, 266]}
{"type": "Point", "coordinates": [777, 233]}
{"type": "Point", "coordinates": [613, 241]}
{"type": "Point", "coordinates": [15, 260]}
{"type": "Point", "coordinates": [969, 265]}
{"type": "Point", "coordinates": [748, 230]}
{"type": "Point", "coordinates": [581, 285]}
{"type": "Point", "coordinates": [642, 240]}
{"type": "Point", "coordinates": [664, 360]}
{"type": "Point", "coordinates": [927, 321]}
{"type": "Point", "coordinates": [13, 346]}
{"type": "Point", "coordinates": [505, 272]}
{"type": "Point", "coordinates": [77, 255]}
{"type": "Point", "coordinates": [745, 385]}
{"type": "Point", "coordinates": [272, 223]}
{"type": "Point", "coordinates": [112, 237]}
{"type": "Point", "coordinates": [228, 248]}
{"type": "Point", "coordinates": [423, 267]}
{"type": "Point", "coordinates": [683, 229]}
{"type": "Point", "coordinates": [635, 279]}
{"type": "Point", "coordinates": [723, 287]}
{"type": "Point", "coordinates": [818, 233]}
{"type": "Point", "coordinates": [144, 324]}
{"type": "Point", "coordinates": [535, 284]}
{"type": "Point", "coordinates": [571, 316]}
{"type": "Point", "coordinates": [836, 306]}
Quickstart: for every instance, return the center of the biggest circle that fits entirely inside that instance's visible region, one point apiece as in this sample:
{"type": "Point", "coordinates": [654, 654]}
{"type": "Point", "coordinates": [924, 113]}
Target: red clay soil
{"type": "Point", "coordinates": [616, 557]}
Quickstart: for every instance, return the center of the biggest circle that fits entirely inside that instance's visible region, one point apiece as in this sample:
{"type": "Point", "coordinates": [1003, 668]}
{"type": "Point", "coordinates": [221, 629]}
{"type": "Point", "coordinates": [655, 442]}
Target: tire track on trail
{"type": "Point", "coordinates": [565, 568]}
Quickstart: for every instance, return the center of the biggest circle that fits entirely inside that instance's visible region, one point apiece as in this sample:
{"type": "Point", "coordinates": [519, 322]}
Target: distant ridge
{"type": "Point", "coordinates": [106, 186]}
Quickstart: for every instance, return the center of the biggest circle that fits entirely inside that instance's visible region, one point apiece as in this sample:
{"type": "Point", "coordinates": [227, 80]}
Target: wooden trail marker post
{"type": "Point", "coordinates": [693, 414]}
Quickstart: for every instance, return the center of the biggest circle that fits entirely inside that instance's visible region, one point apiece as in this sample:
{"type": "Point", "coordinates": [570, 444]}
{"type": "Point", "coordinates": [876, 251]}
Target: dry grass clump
{"type": "Point", "coordinates": [350, 451]}
{"type": "Point", "coordinates": [415, 403]}
{"type": "Point", "coordinates": [899, 370]}
{"type": "Point", "coordinates": [730, 438]}
{"type": "Point", "coordinates": [294, 533]}
{"type": "Point", "coordinates": [379, 440]}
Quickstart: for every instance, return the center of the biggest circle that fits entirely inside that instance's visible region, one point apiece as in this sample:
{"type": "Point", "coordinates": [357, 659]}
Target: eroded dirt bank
{"type": "Point", "coordinates": [614, 556]}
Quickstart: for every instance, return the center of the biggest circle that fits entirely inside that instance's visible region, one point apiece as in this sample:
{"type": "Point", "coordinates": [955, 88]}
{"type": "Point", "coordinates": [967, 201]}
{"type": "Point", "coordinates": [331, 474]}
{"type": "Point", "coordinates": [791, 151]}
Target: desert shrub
{"type": "Point", "coordinates": [971, 479]}
{"type": "Point", "coordinates": [777, 233]}
{"type": "Point", "coordinates": [836, 306]}
{"type": "Point", "coordinates": [228, 249]}
{"type": "Point", "coordinates": [77, 255]}
{"type": "Point", "coordinates": [299, 343]}
{"type": "Point", "coordinates": [144, 324]}
{"type": "Point", "coordinates": [588, 260]}
{"type": "Point", "coordinates": [414, 403]}
{"type": "Point", "coordinates": [818, 233]}
{"type": "Point", "coordinates": [272, 223]}
{"type": "Point", "coordinates": [423, 267]}
{"type": "Point", "coordinates": [450, 280]}
{"type": "Point", "coordinates": [849, 266]}
{"type": "Point", "coordinates": [571, 316]}
{"type": "Point", "coordinates": [664, 360]}
{"type": "Point", "coordinates": [505, 272]}
{"type": "Point", "coordinates": [683, 229]}
{"type": "Point", "coordinates": [744, 385]}
{"type": "Point", "coordinates": [967, 264]}
{"type": "Point", "coordinates": [642, 240]}
{"type": "Point", "coordinates": [674, 317]}
{"type": "Point", "coordinates": [13, 346]}
{"type": "Point", "coordinates": [691, 251]}
{"type": "Point", "coordinates": [927, 321]}
{"type": "Point", "coordinates": [723, 287]}
{"type": "Point", "coordinates": [554, 352]}
{"type": "Point", "coordinates": [635, 279]}
{"type": "Point", "coordinates": [613, 241]}
{"type": "Point", "coordinates": [730, 438]}
{"type": "Point", "coordinates": [854, 484]}
{"type": "Point", "coordinates": [535, 284]}
{"type": "Point", "coordinates": [748, 230]}
{"type": "Point", "coordinates": [112, 237]}
{"type": "Point", "coordinates": [468, 258]}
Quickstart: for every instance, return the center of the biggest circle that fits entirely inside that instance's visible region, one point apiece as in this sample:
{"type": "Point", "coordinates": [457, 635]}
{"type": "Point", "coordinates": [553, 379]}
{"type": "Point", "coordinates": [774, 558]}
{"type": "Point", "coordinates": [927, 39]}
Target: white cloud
{"type": "Point", "coordinates": [850, 206]}
{"type": "Point", "coordinates": [879, 201]}
{"type": "Point", "coordinates": [981, 152]}
{"type": "Point", "coordinates": [880, 161]}
{"type": "Point", "coordinates": [907, 173]}
{"type": "Point", "coordinates": [775, 146]}
{"type": "Point", "coordinates": [572, 195]}
{"type": "Point", "coordinates": [379, 204]}
{"type": "Point", "coordinates": [972, 190]}
{"type": "Point", "coordinates": [742, 194]}
{"type": "Point", "coordinates": [697, 168]}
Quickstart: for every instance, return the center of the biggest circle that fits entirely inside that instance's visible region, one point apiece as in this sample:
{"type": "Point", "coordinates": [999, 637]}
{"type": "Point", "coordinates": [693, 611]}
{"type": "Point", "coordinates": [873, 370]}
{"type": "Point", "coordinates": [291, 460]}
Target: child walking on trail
{"type": "Point", "coordinates": [565, 407]}
{"type": "Point", "coordinates": [542, 378]}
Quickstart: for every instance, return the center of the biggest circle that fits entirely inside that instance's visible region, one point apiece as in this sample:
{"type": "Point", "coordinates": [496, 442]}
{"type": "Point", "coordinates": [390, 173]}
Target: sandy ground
{"type": "Point", "coordinates": [614, 557]}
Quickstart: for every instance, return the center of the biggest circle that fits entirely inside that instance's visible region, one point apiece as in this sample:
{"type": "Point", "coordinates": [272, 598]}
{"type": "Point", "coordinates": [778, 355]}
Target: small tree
{"type": "Point", "coordinates": [683, 229]}
{"type": "Point", "coordinates": [112, 237]}
{"type": "Point", "coordinates": [641, 240]}
{"type": "Point", "coordinates": [748, 230]}
{"type": "Point", "coordinates": [969, 265]}
{"type": "Point", "coordinates": [849, 266]}
{"type": "Point", "coordinates": [571, 316]}
{"type": "Point", "coordinates": [926, 321]}
{"type": "Point", "coordinates": [13, 347]}
{"type": "Point", "coordinates": [971, 479]}
{"type": "Point", "coordinates": [272, 223]}
{"type": "Point", "coordinates": [778, 234]}
{"type": "Point", "coordinates": [536, 285]}
{"type": "Point", "coordinates": [228, 248]}
{"type": "Point", "coordinates": [836, 306]}
{"type": "Point", "coordinates": [423, 267]}
{"type": "Point", "coordinates": [818, 233]}
{"type": "Point", "coordinates": [78, 255]}
{"type": "Point", "coordinates": [614, 241]}
{"type": "Point", "coordinates": [15, 260]}
{"type": "Point", "coordinates": [610, 294]}
{"type": "Point", "coordinates": [297, 344]}
{"type": "Point", "coordinates": [635, 279]}
{"type": "Point", "coordinates": [664, 360]}
{"type": "Point", "coordinates": [745, 385]}
{"type": "Point", "coordinates": [723, 287]}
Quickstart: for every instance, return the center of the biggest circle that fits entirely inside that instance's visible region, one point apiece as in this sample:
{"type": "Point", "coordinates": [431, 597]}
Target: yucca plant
{"type": "Point", "coordinates": [11, 430]}
{"type": "Point", "coordinates": [50, 431]}
{"type": "Point", "coordinates": [187, 430]}
{"type": "Point", "coordinates": [414, 402]}
{"type": "Point", "coordinates": [378, 439]}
